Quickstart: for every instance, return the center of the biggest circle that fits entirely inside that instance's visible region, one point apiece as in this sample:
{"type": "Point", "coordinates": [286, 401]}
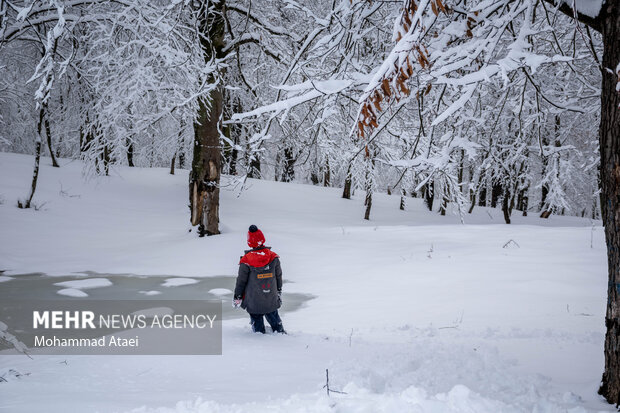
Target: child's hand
{"type": "Point", "coordinates": [236, 302]}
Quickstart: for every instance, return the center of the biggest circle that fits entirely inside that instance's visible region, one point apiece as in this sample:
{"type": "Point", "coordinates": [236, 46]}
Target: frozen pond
{"type": "Point", "coordinates": [98, 286]}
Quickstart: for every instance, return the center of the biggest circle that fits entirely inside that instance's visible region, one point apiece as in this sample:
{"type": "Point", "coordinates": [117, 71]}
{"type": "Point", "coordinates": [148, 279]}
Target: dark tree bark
{"type": "Point", "coordinates": [314, 178]}
{"type": "Point", "coordinates": [506, 209]}
{"type": "Point", "coordinates": [37, 160]}
{"type": "Point", "coordinates": [105, 159]}
{"type": "Point", "coordinates": [472, 198]}
{"type": "Point", "coordinates": [482, 201]}
{"type": "Point", "coordinates": [288, 168]}
{"type": "Point", "coordinates": [403, 194]}
{"type": "Point", "coordinates": [443, 206]}
{"type": "Point", "coordinates": [461, 169]}
{"type": "Point", "coordinates": [346, 192]}
{"type": "Point", "coordinates": [130, 151]}
{"type": "Point", "coordinates": [429, 194]}
{"type": "Point", "coordinates": [48, 133]}
{"type": "Point", "coordinates": [496, 192]}
{"type": "Point", "coordinates": [327, 175]}
{"type": "Point", "coordinates": [368, 203]}
{"type": "Point", "coordinates": [524, 201]}
{"type": "Point", "coordinates": [181, 159]}
{"type": "Point", "coordinates": [609, 142]}
{"type": "Point", "coordinates": [204, 178]}
{"type": "Point", "coordinates": [544, 188]}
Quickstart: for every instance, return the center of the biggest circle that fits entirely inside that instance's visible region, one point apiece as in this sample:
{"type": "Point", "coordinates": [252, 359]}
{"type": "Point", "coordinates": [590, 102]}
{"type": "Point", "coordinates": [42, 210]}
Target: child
{"type": "Point", "coordinates": [259, 284]}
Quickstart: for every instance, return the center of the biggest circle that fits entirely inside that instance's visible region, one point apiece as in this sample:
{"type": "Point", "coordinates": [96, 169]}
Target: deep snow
{"type": "Point", "coordinates": [413, 311]}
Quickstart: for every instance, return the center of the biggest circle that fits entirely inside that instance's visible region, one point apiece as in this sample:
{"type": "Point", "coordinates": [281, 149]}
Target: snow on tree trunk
{"type": "Point", "coordinates": [37, 159]}
{"type": "Point", "coordinates": [346, 192]}
{"type": "Point", "coordinates": [609, 139]}
{"type": "Point", "coordinates": [204, 178]}
{"type": "Point", "coordinates": [205, 175]}
{"type": "Point", "coordinates": [48, 133]}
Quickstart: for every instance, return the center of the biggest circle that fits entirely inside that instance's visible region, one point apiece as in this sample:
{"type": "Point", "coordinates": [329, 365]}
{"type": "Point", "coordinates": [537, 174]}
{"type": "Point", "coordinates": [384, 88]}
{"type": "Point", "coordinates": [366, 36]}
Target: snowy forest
{"type": "Point", "coordinates": [496, 103]}
{"type": "Point", "coordinates": [511, 105]}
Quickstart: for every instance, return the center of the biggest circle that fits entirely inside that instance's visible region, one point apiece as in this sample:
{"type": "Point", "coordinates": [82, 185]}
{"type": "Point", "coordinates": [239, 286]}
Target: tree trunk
{"type": "Point", "coordinates": [403, 194]}
{"type": "Point", "coordinates": [609, 142]}
{"type": "Point", "coordinates": [204, 181]}
{"type": "Point", "coordinates": [429, 195]}
{"type": "Point", "coordinates": [460, 170]}
{"type": "Point", "coordinates": [443, 206]}
{"type": "Point", "coordinates": [105, 158]}
{"type": "Point", "coordinates": [545, 188]}
{"type": "Point", "coordinates": [327, 175]}
{"type": "Point", "coordinates": [346, 192]}
{"type": "Point", "coordinates": [204, 178]}
{"type": "Point", "coordinates": [130, 150]}
{"type": "Point", "coordinates": [48, 133]}
{"type": "Point", "coordinates": [172, 162]}
{"type": "Point", "coordinates": [505, 206]}
{"type": "Point", "coordinates": [472, 197]}
{"type": "Point", "coordinates": [368, 203]}
{"type": "Point", "coordinates": [483, 195]}
{"type": "Point", "coordinates": [37, 160]}
{"type": "Point", "coordinates": [496, 192]}
{"type": "Point", "coordinates": [288, 170]}
{"type": "Point", "coordinates": [314, 178]}
{"type": "Point", "coordinates": [254, 161]}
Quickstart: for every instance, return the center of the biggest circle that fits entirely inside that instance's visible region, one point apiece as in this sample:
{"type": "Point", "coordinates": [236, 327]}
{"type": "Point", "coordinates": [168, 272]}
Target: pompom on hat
{"type": "Point", "coordinates": [255, 237]}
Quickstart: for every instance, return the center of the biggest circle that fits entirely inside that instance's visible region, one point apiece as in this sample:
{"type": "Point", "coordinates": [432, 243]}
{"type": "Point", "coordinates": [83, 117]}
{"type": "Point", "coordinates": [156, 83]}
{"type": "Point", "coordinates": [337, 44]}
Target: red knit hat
{"type": "Point", "coordinates": [255, 237]}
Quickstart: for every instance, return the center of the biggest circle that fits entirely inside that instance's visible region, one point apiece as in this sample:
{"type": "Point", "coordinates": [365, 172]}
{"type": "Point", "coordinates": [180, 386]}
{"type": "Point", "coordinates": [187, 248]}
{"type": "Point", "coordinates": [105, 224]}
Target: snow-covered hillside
{"type": "Point", "coordinates": [413, 311]}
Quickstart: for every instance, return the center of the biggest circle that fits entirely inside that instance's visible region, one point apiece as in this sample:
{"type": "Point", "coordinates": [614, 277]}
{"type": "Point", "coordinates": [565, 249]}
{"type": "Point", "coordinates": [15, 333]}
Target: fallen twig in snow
{"type": "Point", "coordinates": [327, 385]}
{"type": "Point", "coordinates": [506, 245]}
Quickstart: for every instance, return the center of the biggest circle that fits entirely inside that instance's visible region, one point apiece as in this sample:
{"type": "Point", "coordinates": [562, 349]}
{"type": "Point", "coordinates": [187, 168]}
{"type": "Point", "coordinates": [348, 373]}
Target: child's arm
{"type": "Point", "coordinates": [278, 270]}
{"type": "Point", "coordinates": [242, 280]}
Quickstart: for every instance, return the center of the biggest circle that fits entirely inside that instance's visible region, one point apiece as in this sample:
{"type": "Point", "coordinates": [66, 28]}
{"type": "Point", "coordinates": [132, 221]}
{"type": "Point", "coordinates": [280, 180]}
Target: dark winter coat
{"type": "Point", "coordinates": [259, 281]}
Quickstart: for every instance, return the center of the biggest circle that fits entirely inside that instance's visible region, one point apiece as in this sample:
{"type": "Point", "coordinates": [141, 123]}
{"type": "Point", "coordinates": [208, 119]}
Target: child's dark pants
{"type": "Point", "coordinates": [273, 319]}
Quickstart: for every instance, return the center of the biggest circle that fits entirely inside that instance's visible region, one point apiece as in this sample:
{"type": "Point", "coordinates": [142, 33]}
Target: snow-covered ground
{"type": "Point", "coordinates": [414, 312]}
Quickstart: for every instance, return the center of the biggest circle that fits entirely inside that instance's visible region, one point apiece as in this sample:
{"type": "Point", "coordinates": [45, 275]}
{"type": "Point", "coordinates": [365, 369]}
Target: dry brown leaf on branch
{"type": "Point", "coordinates": [407, 19]}
{"type": "Point", "coordinates": [376, 101]}
{"type": "Point", "coordinates": [441, 6]}
{"type": "Point", "coordinates": [385, 86]}
{"type": "Point", "coordinates": [401, 85]}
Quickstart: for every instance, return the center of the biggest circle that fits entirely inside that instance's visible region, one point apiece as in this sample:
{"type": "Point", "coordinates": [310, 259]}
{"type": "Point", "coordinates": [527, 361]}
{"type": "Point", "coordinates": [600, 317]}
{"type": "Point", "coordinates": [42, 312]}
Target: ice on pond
{"type": "Point", "coordinates": [150, 292]}
{"type": "Point", "coordinates": [4, 278]}
{"type": "Point", "coordinates": [220, 291]}
{"type": "Point", "coordinates": [178, 281]}
{"type": "Point", "coordinates": [86, 283]}
{"type": "Point", "coordinates": [72, 292]}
